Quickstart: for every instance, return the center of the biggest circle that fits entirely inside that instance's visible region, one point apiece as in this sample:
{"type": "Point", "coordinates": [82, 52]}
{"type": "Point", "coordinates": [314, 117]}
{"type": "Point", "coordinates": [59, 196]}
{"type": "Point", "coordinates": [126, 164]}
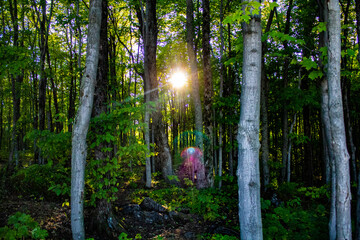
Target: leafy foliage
{"type": "Point", "coordinates": [301, 215]}
{"type": "Point", "coordinates": [36, 180]}
{"type": "Point", "coordinates": [21, 226]}
{"type": "Point", "coordinates": [209, 202]}
{"type": "Point", "coordinates": [103, 174]}
{"type": "Point", "coordinates": [55, 147]}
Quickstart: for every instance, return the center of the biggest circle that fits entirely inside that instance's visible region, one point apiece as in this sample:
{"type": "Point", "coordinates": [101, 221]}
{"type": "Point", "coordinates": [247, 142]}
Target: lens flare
{"type": "Point", "coordinates": [178, 79]}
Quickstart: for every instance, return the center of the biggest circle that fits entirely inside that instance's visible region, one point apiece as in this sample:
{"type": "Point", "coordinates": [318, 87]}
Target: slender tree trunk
{"type": "Point", "coordinates": [1, 119]}
{"type": "Point", "coordinates": [348, 128]}
{"type": "Point", "coordinates": [50, 125]}
{"type": "Point", "coordinates": [285, 120]}
{"type": "Point", "coordinates": [230, 91]}
{"type": "Point", "coordinates": [82, 120]}
{"type": "Point", "coordinates": [341, 156]}
{"type": "Point", "coordinates": [357, 226]}
{"type": "Point", "coordinates": [325, 119]}
{"type": "Point", "coordinates": [161, 142]}
{"type": "Point", "coordinates": [43, 78]}
{"type": "Point", "coordinates": [72, 92]}
{"type": "Point", "coordinates": [58, 124]}
{"type": "Point", "coordinates": [195, 90]}
{"type": "Point", "coordinates": [144, 27]}
{"type": "Point", "coordinates": [264, 111]}
{"type": "Point", "coordinates": [222, 73]}
{"type": "Point", "coordinates": [16, 90]}
{"type": "Point", "coordinates": [248, 135]}
{"type": "Point", "coordinates": [208, 93]}
{"type": "Point", "coordinates": [106, 222]}
{"type": "Point", "coordinates": [357, 10]}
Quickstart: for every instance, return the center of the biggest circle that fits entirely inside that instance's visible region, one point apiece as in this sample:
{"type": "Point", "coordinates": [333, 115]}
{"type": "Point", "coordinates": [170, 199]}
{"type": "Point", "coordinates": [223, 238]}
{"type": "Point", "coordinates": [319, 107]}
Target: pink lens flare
{"type": "Point", "coordinates": [192, 167]}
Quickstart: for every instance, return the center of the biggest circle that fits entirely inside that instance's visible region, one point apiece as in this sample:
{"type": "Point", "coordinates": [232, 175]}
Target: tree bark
{"type": "Point", "coordinates": [43, 78]}
{"type": "Point", "coordinates": [208, 93]}
{"type": "Point", "coordinates": [336, 115]}
{"type": "Point", "coordinates": [79, 148]}
{"type": "Point", "coordinates": [264, 111]}
{"type": "Point", "coordinates": [106, 221]}
{"type": "Point", "coordinates": [16, 90]}
{"type": "Point", "coordinates": [357, 226]}
{"type": "Point", "coordinates": [59, 125]}
{"type": "Point", "coordinates": [222, 73]}
{"type": "Point", "coordinates": [163, 158]}
{"type": "Point", "coordinates": [285, 118]}
{"type": "Point", "coordinates": [248, 135]}
{"type": "Point", "coordinates": [195, 89]}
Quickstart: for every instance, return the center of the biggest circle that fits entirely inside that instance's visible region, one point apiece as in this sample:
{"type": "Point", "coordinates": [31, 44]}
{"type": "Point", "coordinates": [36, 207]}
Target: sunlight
{"type": "Point", "coordinates": [178, 79]}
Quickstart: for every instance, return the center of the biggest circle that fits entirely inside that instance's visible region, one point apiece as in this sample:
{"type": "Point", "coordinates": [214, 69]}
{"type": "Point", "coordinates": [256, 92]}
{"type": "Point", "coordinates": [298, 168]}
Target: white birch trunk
{"type": "Point", "coordinates": [338, 141]}
{"type": "Point", "coordinates": [248, 135]}
{"type": "Point", "coordinates": [79, 148]}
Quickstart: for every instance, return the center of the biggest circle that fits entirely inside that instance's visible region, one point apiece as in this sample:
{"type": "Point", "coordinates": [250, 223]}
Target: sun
{"type": "Point", "coordinates": [178, 79]}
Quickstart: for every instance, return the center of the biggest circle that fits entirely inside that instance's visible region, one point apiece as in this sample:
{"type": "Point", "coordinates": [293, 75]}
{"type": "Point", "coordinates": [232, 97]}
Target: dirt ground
{"type": "Point", "coordinates": [55, 218]}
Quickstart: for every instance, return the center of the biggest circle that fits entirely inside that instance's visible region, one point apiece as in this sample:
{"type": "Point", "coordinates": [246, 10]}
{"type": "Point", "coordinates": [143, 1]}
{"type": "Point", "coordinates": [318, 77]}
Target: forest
{"type": "Point", "coordinates": [174, 119]}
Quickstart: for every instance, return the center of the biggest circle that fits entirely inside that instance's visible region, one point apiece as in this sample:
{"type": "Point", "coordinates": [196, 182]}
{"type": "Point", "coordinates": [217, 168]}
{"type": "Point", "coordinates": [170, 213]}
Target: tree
{"type": "Point", "coordinates": [357, 226]}
{"type": "Point", "coordinates": [264, 110]}
{"type": "Point", "coordinates": [79, 152]}
{"type": "Point", "coordinates": [190, 35]}
{"type": "Point", "coordinates": [337, 127]}
{"type": "Point", "coordinates": [208, 92]}
{"type": "Point", "coordinates": [106, 222]}
{"type": "Point", "coordinates": [248, 135]}
{"type": "Point", "coordinates": [163, 158]}
{"type": "Point", "coordinates": [16, 90]}
{"type": "Point", "coordinates": [285, 115]}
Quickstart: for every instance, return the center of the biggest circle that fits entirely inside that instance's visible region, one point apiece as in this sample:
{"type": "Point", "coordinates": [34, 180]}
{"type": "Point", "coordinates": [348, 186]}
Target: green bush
{"type": "Point", "coordinates": [22, 226]}
{"type": "Point", "coordinates": [300, 216]}
{"type": "Point", "coordinates": [103, 175]}
{"type": "Point", "coordinates": [37, 180]}
{"type": "Point", "coordinates": [209, 202]}
{"type": "Point", "coordinates": [55, 147]}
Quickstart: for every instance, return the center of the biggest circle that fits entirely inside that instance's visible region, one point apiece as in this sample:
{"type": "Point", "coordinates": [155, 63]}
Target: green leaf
{"type": "Point", "coordinates": [245, 18]}
{"type": "Point", "coordinates": [308, 63]}
{"type": "Point", "coordinates": [315, 74]}
{"type": "Point", "coordinates": [351, 52]}
{"type": "Point", "coordinates": [228, 20]}
{"type": "Point", "coordinates": [273, 5]}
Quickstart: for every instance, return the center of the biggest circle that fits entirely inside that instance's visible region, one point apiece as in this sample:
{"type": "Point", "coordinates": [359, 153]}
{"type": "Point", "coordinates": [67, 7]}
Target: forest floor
{"type": "Point", "coordinates": [54, 216]}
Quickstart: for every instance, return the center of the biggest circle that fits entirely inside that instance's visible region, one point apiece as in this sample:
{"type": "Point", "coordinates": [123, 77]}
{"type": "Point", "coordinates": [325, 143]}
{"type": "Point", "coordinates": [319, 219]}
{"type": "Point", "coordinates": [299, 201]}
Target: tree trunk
{"type": "Point", "coordinates": [58, 124]}
{"type": "Point", "coordinates": [144, 27]}
{"type": "Point", "coordinates": [285, 120]}
{"type": "Point", "coordinates": [82, 120]}
{"type": "Point", "coordinates": [195, 89]}
{"type": "Point", "coordinates": [106, 222]}
{"type": "Point", "coordinates": [222, 73]}
{"type": "Point", "coordinates": [43, 78]}
{"type": "Point", "coordinates": [357, 226]}
{"type": "Point", "coordinates": [248, 135]}
{"type": "Point", "coordinates": [163, 159]}
{"type": "Point", "coordinates": [72, 92]}
{"type": "Point", "coordinates": [16, 90]}
{"type": "Point", "coordinates": [345, 87]}
{"type": "Point", "coordinates": [264, 111]}
{"type": "Point", "coordinates": [208, 93]}
{"type": "Point", "coordinates": [338, 141]}
{"type": "Point", "coordinates": [1, 119]}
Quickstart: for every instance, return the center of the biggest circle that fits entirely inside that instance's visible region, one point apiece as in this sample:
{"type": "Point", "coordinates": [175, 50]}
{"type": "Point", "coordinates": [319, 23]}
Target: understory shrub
{"type": "Point", "coordinates": [301, 214]}
{"type": "Point", "coordinates": [211, 203]}
{"type": "Point", "coordinates": [22, 226]}
{"type": "Point", "coordinates": [37, 180]}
